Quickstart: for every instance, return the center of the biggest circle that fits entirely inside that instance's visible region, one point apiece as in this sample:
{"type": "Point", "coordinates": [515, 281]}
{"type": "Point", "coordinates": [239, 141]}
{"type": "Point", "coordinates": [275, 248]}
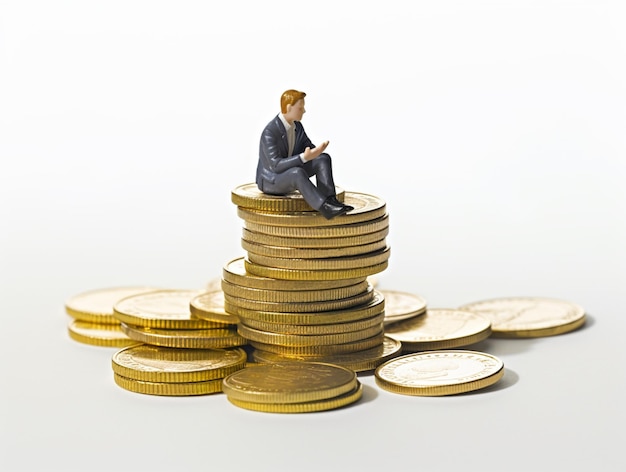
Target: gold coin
{"type": "Point", "coordinates": [168, 365]}
{"type": "Point", "coordinates": [213, 338]}
{"type": "Point", "coordinates": [210, 306]}
{"type": "Point", "coordinates": [282, 252]}
{"type": "Point", "coordinates": [96, 306]}
{"type": "Point", "coordinates": [366, 208]}
{"type": "Point", "coordinates": [300, 307]}
{"type": "Point", "coordinates": [235, 272]}
{"type": "Point", "coordinates": [293, 296]}
{"type": "Point", "coordinates": [314, 275]}
{"type": "Point", "coordinates": [332, 328]}
{"type": "Point", "coordinates": [314, 243]}
{"type": "Point", "coordinates": [169, 389]}
{"type": "Point", "coordinates": [297, 340]}
{"type": "Point", "coordinates": [402, 305]}
{"type": "Point", "coordinates": [360, 361]}
{"type": "Point", "coordinates": [320, 349]}
{"type": "Point", "coordinates": [374, 307]}
{"type": "Point", "coordinates": [98, 334]}
{"type": "Point", "coordinates": [529, 317]}
{"type": "Point", "coordinates": [434, 373]}
{"type": "Point", "coordinates": [440, 329]}
{"type": "Point", "coordinates": [305, 407]}
{"type": "Point", "coordinates": [340, 231]}
{"type": "Point", "coordinates": [331, 263]}
{"type": "Point", "coordinates": [249, 196]}
{"type": "Point", "coordinates": [169, 309]}
{"type": "Point", "coordinates": [289, 383]}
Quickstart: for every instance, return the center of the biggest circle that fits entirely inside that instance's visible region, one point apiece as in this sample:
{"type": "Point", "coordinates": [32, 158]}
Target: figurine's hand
{"type": "Point", "coordinates": [310, 154]}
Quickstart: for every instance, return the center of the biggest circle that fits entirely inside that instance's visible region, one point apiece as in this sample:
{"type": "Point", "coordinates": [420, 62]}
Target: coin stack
{"type": "Point", "coordinates": [302, 292]}
{"type": "Point", "coordinates": [92, 321]}
{"type": "Point", "coordinates": [175, 372]}
{"type": "Point", "coordinates": [293, 388]}
{"type": "Point", "coordinates": [182, 354]}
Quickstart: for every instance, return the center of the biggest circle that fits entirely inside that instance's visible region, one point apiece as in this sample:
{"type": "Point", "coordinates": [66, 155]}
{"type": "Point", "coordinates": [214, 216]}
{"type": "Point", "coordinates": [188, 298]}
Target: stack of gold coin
{"type": "Point", "coordinates": [164, 318]}
{"type": "Point", "coordinates": [92, 321]}
{"type": "Point", "coordinates": [291, 387]}
{"type": "Point", "coordinates": [157, 370]}
{"type": "Point", "coordinates": [302, 291]}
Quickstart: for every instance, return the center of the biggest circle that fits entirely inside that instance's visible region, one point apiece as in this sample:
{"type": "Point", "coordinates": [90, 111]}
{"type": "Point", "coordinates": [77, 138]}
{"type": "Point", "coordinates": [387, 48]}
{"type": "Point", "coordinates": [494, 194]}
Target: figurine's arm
{"type": "Point", "coordinates": [310, 154]}
{"type": "Point", "coordinates": [271, 156]}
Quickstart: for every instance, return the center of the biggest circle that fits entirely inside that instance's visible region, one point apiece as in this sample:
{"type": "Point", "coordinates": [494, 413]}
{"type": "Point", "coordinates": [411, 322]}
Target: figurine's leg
{"type": "Point", "coordinates": [322, 168]}
{"type": "Point", "coordinates": [296, 178]}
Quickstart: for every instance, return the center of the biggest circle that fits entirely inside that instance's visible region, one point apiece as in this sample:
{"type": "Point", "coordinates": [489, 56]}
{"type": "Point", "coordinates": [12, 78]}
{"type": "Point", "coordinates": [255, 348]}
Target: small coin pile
{"type": "Point", "coordinates": [302, 292]}
{"type": "Point", "coordinates": [157, 370]}
{"type": "Point", "coordinates": [164, 318]}
{"type": "Point", "coordinates": [92, 321]}
{"type": "Point", "coordinates": [291, 387]}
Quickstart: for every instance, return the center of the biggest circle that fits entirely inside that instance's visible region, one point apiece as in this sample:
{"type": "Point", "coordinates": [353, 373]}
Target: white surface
{"type": "Point", "coordinates": [493, 130]}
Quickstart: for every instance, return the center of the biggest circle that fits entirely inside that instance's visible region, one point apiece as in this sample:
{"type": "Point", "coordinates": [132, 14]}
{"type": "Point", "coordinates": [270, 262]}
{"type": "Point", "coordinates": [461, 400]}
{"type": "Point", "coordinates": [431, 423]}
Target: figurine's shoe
{"type": "Point", "coordinates": [329, 210]}
{"type": "Point", "coordinates": [334, 201]}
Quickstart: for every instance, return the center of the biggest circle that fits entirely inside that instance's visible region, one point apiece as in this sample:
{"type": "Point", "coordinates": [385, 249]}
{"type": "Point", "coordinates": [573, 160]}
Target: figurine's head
{"type": "Point", "coordinates": [290, 97]}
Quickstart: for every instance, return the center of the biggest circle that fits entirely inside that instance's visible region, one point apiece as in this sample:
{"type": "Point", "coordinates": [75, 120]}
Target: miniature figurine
{"type": "Point", "coordinates": [288, 159]}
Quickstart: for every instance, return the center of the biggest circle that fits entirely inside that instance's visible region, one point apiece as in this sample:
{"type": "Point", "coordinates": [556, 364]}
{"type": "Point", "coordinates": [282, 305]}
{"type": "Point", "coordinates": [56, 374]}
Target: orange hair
{"type": "Point", "coordinates": [290, 97]}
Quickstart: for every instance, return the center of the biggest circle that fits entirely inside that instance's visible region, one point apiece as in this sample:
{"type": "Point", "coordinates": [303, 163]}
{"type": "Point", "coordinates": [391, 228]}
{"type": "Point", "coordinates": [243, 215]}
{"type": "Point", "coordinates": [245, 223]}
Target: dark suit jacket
{"type": "Point", "coordinates": [273, 150]}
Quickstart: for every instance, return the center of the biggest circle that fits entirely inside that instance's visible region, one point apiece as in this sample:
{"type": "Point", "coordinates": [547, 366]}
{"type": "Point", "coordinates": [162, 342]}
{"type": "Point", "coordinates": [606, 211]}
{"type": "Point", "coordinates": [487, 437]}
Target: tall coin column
{"type": "Point", "coordinates": [302, 290]}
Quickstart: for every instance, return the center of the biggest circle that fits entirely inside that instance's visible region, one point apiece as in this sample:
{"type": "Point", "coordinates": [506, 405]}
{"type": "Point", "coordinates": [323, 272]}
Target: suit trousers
{"type": "Point", "coordinates": [299, 178]}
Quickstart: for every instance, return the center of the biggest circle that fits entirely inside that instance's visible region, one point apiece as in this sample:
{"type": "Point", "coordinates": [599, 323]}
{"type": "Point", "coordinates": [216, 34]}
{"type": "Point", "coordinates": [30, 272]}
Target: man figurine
{"type": "Point", "coordinates": [288, 159]}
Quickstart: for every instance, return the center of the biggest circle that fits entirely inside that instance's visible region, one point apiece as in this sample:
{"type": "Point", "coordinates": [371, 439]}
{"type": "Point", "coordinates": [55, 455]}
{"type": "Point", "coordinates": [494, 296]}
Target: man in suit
{"type": "Point", "coordinates": [288, 159]}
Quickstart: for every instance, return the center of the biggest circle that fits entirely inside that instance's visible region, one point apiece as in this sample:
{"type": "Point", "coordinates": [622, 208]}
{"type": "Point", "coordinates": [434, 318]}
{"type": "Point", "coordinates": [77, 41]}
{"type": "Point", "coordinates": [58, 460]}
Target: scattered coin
{"type": "Point", "coordinates": [529, 317]}
{"type": "Point", "coordinates": [435, 373]}
{"type": "Point", "coordinates": [440, 329]}
{"type": "Point", "coordinates": [402, 305]}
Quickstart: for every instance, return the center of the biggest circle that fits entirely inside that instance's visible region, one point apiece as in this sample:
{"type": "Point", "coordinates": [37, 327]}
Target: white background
{"type": "Point", "coordinates": [494, 130]}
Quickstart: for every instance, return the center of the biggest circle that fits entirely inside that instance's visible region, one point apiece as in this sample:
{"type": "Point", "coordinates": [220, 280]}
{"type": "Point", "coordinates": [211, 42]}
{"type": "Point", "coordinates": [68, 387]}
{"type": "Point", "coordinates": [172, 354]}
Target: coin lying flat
{"type": "Point", "coordinates": [440, 329]}
{"type": "Point", "coordinates": [301, 307]}
{"type": "Point", "coordinates": [315, 243]}
{"type": "Point", "coordinates": [293, 296]}
{"type": "Point", "coordinates": [342, 230]}
{"type": "Point", "coordinates": [321, 349]}
{"type": "Point", "coordinates": [210, 306]}
{"type": "Point", "coordinates": [99, 334]}
{"type": "Point", "coordinates": [96, 306]}
{"type": "Point", "coordinates": [331, 263]}
{"type": "Point", "coordinates": [304, 407]}
{"type": "Point", "coordinates": [330, 328]}
{"type": "Point", "coordinates": [311, 253]}
{"type": "Point", "coordinates": [168, 365]}
{"type": "Point", "coordinates": [249, 196]}
{"type": "Point", "coordinates": [289, 382]}
{"type": "Point", "coordinates": [529, 317]}
{"type": "Point", "coordinates": [205, 387]}
{"type": "Point", "coordinates": [315, 275]}
{"type": "Point", "coordinates": [366, 208]}
{"type": "Point", "coordinates": [235, 273]}
{"type": "Point", "coordinates": [435, 373]}
{"type": "Point", "coordinates": [356, 313]}
{"type": "Point", "coordinates": [402, 305]}
{"type": "Point", "coordinates": [297, 340]}
{"type": "Point", "coordinates": [360, 361]}
{"type": "Point", "coordinates": [213, 338]}
{"type": "Point", "coordinates": [167, 309]}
